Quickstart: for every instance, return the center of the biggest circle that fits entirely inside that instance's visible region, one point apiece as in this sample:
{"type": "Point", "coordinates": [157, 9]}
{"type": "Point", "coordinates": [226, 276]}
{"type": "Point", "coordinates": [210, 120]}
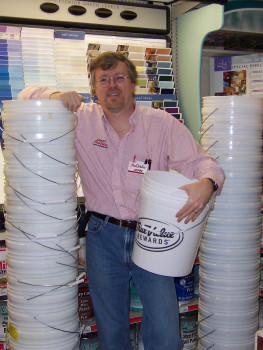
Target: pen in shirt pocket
{"type": "Point", "coordinates": [149, 162]}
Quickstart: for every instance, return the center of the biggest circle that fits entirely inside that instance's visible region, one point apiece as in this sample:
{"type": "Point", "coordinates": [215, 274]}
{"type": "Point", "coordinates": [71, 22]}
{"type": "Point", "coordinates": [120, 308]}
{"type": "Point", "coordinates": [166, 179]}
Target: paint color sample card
{"type": "Point", "coordinates": [165, 77]}
{"type": "Point", "coordinates": [152, 97]}
{"type": "Point", "coordinates": [11, 67]}
{"type": "Point", "coordinates": [170, 103]}
{"type": "Point", "coordinates": [145, 103]}
{"type": "Point", "coordinates": [172, 109]}
{"type": "Point", "coordinates": [165, 91]}
{"type": "Point", "coordinates": [161, 64]}
{"type": "Point", "coordinates": [166, 84]}
{"type": "Point", "coordinates": [71, 61]}
{"type": "Point", "coordinates": [142, 82]}
{"type": "Point", "coordinates": [163, 51]}
{"type": "Point", "coordinates": [141, 91]}
{"type": "Point", "coordinates": [136, 55]}
{"type": "Point", "coordinates": [164, 58]}
{"type": "Point", "coordinates": [38, 57]}
{"type": "Point", "coordinates": [177, 115]}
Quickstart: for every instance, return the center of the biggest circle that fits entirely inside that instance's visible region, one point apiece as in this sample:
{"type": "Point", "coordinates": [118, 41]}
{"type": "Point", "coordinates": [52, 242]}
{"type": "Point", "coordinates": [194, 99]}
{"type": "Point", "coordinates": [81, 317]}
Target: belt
{"type": "Point", "coordinates": [122, 223]}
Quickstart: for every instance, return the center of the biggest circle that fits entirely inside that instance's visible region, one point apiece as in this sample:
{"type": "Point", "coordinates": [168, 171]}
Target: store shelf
{"type": "Point", "coordinates": [234, 42]}
{"type": "Point", "coordinates": [136, 316]}
{"type": "Point", "coordinates": [192, 306]}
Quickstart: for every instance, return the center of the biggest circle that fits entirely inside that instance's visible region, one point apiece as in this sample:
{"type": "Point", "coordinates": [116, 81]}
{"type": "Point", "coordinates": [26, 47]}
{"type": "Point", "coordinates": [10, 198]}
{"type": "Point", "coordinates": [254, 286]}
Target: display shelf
{"type": "Point", "coordinates": [136, 316]}
{"type": "Point", "coordinates": [216, 52]}
{"type": "Point", "coordinates": [234, 42]}
{"type": "Point", "coordinates": [192, 306]}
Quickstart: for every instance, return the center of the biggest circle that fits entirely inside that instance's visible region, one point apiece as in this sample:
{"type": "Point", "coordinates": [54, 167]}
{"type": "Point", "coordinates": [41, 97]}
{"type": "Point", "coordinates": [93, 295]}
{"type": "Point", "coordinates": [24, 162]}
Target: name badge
{"type": "Point", "coordinates": [137, 167]}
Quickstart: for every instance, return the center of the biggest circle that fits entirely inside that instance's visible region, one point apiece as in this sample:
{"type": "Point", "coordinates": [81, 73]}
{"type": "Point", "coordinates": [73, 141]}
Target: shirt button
{"type": "Point", "coordinates": [116, 170]}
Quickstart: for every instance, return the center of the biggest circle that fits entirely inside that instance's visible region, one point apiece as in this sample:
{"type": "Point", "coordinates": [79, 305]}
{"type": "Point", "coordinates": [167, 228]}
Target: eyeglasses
{"type": "Point", "coordinates": [105, 82]}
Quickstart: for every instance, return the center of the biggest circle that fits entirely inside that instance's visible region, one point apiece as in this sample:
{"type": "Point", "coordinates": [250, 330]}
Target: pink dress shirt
{"type": "Point", "coordinates": [103, 158]}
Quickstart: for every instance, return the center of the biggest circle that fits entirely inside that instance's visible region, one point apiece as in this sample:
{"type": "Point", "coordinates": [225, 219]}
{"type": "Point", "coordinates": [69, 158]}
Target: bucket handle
{"type": "Point", "coordinates": [205, 318]}
{"type": "Point", "coordinates": [43, 213]}
{"type": "Point", "coordinates": [211, 146]}
{"type": "Point", "coordinates": [49, 156]}
{"type": "Point", "coordinates": [199, 338]}
{"type": "Point", "coordinates": [16, 192]}
{"type": "Point", "coordinates": [42, 177]}
{"type": "Point", "coordinates": [55, 328]}
{"type": "Point", "coordinates": [199, 223]}
{"type": "Point", "coordinates": [49, 236]}
{"type": "Point", "coordinates": [34, 141]}
{"type": "Point", "coordinates": [209, 115]}
{"type": "Point", "coordinates": [200, 130]}
{"type": "Point", "coordinates": [78, 280]}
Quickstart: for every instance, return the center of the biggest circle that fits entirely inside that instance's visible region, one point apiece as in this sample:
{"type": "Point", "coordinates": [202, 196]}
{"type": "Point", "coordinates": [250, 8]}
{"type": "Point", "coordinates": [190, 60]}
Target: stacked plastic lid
{"type": "Point", "coordinates": [41, 236]}
{"type": "Point", "coordinates": [230, 248]}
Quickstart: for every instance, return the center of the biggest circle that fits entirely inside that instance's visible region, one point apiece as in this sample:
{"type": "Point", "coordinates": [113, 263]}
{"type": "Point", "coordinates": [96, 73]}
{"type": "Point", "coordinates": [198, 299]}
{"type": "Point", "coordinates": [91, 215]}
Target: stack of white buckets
{"type": "Point", "coordinates": [41, 236]}
{"type": "Point", "coordinates": [230, 249]}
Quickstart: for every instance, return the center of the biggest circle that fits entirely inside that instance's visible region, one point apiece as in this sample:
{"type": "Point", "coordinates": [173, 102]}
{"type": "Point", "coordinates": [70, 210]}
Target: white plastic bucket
{"type": "Point", "coordinates": [236, 101]}
{"type": "Point", "coordinates": [38, 295]}
{"type": "Point", "coordinates": [163, 245]}
{"type": "Point", "coordinates": [229, 300]}
{"type": "Point", "coordinates": [206, 343]}
{"type": "Point", "coordinates": [228, 333]}
{"type": "Point", "coordinates": [47, 301]}
{"type": "Point", "coordinates": [66, 341]}
{"type": "Point", "coordinates": [34, 156]}
{"type": "Point", "coordinates": [51, 229]}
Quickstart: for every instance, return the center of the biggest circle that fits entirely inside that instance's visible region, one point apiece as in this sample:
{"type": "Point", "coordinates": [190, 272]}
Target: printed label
{"type": "Point", "coordinates": [137, 167]}
{"type": "Point", "coordinates": [3, 271]}
{"type": "Point", "coordinates": [15, 36]}
{"type": "Point", "coordinates": [188, 330]}
{"type": "Point", "coordinates": [157, 236]}
{"type": "Point", "coordinates": [86, 313]}
{"type": "Point", "coordinates": [12, 331]}
{"type": "Point", "coordinates": [3, 320]}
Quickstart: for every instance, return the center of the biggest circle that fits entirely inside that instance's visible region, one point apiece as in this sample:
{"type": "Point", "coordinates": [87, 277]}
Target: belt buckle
{"type": "Point", "coordinates": [121, 223]}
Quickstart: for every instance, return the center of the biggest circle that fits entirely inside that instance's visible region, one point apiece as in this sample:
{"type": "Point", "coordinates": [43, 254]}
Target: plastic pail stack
{"type": "Point", "coordinates": [230, 248]}
{"type": "Point", "coordinates": [41, 223]}
{"type": "Point", "coordinates": [162, 245]}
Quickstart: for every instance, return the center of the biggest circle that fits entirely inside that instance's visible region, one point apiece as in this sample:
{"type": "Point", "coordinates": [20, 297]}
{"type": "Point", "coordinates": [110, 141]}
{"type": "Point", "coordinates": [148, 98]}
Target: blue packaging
{"type": "Point", "coordinates": [185, 288]}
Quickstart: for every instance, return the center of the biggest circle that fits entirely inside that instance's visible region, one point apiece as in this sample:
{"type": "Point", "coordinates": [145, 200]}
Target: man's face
{"type": "Point", "coordinates": [114, 98]}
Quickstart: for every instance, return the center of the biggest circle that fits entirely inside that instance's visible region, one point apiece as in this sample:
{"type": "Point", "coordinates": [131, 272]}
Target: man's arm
{"type": "Point", "coordinates": [70, 99]}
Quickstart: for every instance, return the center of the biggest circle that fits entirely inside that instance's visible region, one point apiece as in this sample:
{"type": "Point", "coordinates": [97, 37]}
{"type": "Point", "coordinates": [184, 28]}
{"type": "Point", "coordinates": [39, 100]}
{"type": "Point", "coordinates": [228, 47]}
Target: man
{"type": "Point", "coordinates": [108, 138]}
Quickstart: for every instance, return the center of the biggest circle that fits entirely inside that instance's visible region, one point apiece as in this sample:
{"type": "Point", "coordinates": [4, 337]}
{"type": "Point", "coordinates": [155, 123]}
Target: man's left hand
{"type": "Point", "coordinates": [199, 194]}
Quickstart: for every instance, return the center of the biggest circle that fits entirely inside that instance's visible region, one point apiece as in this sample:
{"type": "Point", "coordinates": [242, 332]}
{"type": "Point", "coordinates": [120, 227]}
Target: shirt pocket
{"type": "Point", "coordinates": [133, 182]}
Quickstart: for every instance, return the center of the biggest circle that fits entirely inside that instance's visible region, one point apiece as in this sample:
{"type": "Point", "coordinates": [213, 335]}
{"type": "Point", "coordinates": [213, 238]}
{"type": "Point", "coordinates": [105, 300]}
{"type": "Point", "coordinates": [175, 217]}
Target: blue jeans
{"type": "Point", "coordinates": [110, 268]}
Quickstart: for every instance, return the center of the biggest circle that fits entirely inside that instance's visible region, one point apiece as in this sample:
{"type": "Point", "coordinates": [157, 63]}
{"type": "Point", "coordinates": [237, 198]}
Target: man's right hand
{"type": "Point", "coordinates": [70, 99]}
